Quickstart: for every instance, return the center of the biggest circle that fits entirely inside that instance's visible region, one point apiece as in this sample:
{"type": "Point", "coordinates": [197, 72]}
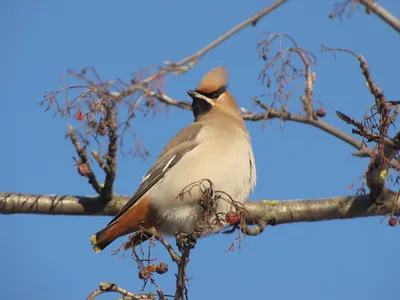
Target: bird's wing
{"type": "Point", "coordinates": [178, 147]}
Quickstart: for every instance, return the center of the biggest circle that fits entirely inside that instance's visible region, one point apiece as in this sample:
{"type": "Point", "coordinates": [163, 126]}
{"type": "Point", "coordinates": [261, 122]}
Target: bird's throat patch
{"type": "Point", "coordinates": [200, 107]}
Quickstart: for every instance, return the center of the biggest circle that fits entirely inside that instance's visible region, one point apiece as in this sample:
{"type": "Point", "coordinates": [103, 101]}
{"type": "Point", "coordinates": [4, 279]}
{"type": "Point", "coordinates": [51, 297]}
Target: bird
{"type": "Point", "coordinates": [214, 149]}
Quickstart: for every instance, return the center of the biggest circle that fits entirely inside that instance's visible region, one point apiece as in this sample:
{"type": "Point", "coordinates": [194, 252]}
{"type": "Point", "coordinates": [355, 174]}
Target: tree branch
{"type": "Point", "coordinates": [273, 113]}
{"type": "Point", "coordinates": [190, 61]}
{"type": "Point", "coordinates": [382, 13]}
{"type": "Point", "coordinates": [106, 287]}
{"type": "Point", "coordinates": [111, 160]}
{"type": "Point", "coordinates": [269, 212]}
{"type": "Point", "coordinates": [83, 163]}
{"type": "Point", "coordinates": [334, 208]}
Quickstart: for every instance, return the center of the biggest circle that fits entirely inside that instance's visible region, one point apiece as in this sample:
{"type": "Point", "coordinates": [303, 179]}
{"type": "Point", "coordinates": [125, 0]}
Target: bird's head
{"type": "Point", "coordinates": [211, 95]}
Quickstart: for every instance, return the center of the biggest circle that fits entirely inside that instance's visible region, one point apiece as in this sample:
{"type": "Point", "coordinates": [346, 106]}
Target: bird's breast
{"type": "Point", "coordinates": [227, 163]}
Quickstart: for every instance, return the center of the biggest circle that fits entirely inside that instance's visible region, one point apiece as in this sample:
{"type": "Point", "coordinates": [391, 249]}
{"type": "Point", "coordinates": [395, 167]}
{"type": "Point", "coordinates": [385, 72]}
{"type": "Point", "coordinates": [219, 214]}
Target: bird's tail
{"type": "Point", "coordinates": [124, 223]}
{"type": "Point", "coordinates": [106, 236]}
{"type": "Point", "coordinates": [103, 238]}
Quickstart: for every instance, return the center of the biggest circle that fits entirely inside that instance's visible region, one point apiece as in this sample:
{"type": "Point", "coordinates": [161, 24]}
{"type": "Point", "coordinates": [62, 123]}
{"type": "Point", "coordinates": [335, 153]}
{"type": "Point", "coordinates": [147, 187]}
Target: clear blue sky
{"type": "Point", "coordinates": [47, 257]}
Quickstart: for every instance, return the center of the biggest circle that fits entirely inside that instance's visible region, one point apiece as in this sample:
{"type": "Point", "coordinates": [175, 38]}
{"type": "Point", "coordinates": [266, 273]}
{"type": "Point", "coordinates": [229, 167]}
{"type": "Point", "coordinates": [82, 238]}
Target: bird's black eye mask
{"type": "Point", "coordinates": [215, 94]}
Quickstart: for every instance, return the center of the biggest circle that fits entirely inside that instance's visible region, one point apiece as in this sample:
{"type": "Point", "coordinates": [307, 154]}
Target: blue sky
{"type": "Point", "coordinates": [50, 256]}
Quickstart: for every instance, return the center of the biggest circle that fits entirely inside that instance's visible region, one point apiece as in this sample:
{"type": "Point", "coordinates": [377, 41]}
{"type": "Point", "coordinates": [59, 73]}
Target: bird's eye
{"type": "Point", "coordinates": [216, 94]}
{"type": "Point", "coordinates": [213, 95]}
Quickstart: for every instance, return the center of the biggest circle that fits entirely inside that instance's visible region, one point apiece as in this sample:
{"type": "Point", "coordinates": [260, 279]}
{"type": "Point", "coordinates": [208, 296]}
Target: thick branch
{"type": "Point", "coordinates": [111, 160]}
{"type": "Point", "coordinates": [271, 212]}
{"type": "Point", "coordinates": [333, 208]}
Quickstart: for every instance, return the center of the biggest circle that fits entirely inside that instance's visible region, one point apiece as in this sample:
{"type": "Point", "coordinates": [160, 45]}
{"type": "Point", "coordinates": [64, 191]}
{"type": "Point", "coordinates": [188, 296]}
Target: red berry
{"type": "Point", "coordinates": [232, 217]}
{"type": "Point", "coordinates": [79, 115]}
{"type": "Point", "coordinates": [321, 112]}
{"type": "Point", "coordinates": [392, 222]}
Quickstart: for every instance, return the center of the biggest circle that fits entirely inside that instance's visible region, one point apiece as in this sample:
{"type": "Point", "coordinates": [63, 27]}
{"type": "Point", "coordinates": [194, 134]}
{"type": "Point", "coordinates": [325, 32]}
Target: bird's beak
{"type": "Point", "coordinates": [192, 93]}
{"type": "Point", "coordinates": [197, 96]}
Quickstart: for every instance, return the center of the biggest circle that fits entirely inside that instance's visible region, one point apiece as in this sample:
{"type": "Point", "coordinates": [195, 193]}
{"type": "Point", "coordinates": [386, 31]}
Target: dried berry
{"type": "Point", "coordinates": [162, 268]}
{"type": "Point", "coordinates": [321, 112]}
{"type": "Point", "coordinates": [144, 274]}
{"type": "Point", "coordinates": [232, 217]}
{"type": "Point", "coordinates": [83, 170]}
{"type": "Point", "coordinates": [102, 128]}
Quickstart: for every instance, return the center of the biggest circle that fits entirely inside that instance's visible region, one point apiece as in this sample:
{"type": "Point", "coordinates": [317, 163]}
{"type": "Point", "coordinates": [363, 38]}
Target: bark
{"type": "Point", "coordinates": [265, 212]}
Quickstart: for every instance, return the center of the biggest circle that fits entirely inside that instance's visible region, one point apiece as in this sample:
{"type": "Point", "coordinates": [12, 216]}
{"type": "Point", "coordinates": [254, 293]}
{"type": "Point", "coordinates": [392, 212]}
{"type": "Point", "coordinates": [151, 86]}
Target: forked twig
{"type": "Point", "coordinates": [83, 164]}
{"type": "Point", "coordinates": [107, 287]}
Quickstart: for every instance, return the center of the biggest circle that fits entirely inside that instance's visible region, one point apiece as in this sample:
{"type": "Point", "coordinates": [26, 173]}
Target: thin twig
{"type": "Point", "coordinates": [181, 289]}
{"type": "Point", "coordinates": [152, 232]}
{"type": "Point", "coordinates": [82, 153]}
{"type": "Point", "coordinates": [280, 64]}
{"type": "Point", "coordinates": [275, 113]}
{"type": "Point", "coordinates": [106, 287]}
{"type": "Point", "coordinates": [307, 99]}
{"type": "Point", "coordinates": [99, 159]}
{"type": "Point", "coordinates": [363, 131]}
{"type": "Point", "coordinates": [163, 98]}
{"type": "Point", "coordinates": [189, 62]}
{"type": "Point", "coordinates": [286, 116]}
{"type": "Point", "coordinates": [395, 113]}
{"type": "Point", "coordinates": [386, 149]}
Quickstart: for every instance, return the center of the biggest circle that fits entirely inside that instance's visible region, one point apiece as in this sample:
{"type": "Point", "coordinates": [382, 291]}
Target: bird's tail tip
{"type": "Point", "coordinates": [93, 241]}
{"type": "Point", "coordinates": [103, 238]}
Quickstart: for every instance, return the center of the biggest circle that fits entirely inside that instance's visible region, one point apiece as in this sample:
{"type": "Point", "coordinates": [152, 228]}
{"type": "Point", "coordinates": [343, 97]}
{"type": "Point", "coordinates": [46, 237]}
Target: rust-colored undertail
{"type": "Point", "coordinates": [138, 215]}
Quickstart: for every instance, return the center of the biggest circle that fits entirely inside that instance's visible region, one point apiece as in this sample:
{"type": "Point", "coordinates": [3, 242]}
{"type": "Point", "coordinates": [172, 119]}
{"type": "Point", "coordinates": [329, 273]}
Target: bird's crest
{"type": "Point", "coordinates": [213, 80]}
